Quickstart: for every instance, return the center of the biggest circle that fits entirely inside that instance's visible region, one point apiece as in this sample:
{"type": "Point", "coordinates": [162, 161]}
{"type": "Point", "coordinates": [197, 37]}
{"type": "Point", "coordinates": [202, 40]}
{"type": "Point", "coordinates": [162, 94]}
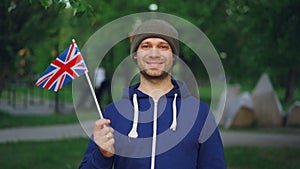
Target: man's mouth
{"type": "Point", "coordinates": [154, 64]}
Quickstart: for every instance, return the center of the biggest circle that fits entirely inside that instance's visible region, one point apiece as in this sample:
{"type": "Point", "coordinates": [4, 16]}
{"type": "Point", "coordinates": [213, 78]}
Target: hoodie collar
{"type": "Point", "coordinates": [179, 88]}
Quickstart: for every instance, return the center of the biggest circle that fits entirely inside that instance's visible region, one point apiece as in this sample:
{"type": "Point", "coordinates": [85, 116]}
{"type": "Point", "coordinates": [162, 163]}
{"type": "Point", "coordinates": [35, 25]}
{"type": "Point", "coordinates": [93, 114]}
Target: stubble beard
{"type": "Point", "coordinates": [161, 76]}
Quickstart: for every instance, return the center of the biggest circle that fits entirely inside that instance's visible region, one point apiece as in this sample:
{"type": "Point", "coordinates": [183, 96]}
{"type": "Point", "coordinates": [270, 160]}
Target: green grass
{"type": "Point", "coordinates": [9, 120]}
{"type": "Point", "coordinates": [262, 158]}
{"type": "Point", "coordinates": [65, 154]}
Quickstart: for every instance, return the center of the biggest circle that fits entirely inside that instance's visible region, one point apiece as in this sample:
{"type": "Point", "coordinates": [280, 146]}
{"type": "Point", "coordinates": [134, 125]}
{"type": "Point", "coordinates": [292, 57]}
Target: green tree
{"type": "Point", "coordinates": [252, 36]}
{"type": "Point", "coordinates": [269, 39]}
{"type": "Point", "coordinates": [35, 32]}
{"type": "Point", "coordinates": [23, 26]}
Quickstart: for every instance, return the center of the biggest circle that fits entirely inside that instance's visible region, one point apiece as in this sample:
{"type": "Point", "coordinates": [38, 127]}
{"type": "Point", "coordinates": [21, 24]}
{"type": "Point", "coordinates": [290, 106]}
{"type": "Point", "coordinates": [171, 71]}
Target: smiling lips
{"type": "Point", "coordinates": [154, 64]}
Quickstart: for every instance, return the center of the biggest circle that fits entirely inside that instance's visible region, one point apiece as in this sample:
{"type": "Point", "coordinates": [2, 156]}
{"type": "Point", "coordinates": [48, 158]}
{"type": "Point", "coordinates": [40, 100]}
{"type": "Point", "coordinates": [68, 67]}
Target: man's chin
{"type": "Point", "coordinates": [154, 75]}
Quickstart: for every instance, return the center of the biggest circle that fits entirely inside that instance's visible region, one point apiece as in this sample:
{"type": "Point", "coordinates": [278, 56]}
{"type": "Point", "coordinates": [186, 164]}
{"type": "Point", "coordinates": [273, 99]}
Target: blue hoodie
{"type": "Point", "coordinates": [175, 132]}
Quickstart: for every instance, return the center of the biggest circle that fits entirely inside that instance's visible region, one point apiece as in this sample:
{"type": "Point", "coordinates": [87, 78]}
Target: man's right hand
{"type": "Point", "coordinates": [104, 137]}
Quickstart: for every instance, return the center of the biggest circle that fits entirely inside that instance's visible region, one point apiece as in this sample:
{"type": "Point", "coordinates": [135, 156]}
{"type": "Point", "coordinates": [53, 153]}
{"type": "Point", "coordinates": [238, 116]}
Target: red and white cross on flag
{"type": "Point", "coordinates": [66, 67]}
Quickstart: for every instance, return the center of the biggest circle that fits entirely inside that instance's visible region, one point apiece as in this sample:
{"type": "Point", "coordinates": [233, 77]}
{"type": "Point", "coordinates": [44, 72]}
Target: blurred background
{"type": "Point", "coordinates": [257, 42]}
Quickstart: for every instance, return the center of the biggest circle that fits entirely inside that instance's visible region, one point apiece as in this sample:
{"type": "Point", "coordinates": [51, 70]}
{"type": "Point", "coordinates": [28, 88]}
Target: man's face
{"type": "Point", "coordinates": [154, 58]}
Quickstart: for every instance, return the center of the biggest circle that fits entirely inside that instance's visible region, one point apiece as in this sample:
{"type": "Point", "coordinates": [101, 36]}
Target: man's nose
{"type": "Point", "coordinates": [154, 52]}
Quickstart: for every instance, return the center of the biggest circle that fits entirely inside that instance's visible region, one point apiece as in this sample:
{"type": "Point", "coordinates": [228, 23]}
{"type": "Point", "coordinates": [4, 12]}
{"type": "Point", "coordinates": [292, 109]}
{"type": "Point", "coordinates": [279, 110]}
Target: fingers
{"type": "Point", "coordinates": [107, 147]}
{"type": "Point", "coordinates": [102, 131]}
{"type": "Point", "coordinates": [104, 137]}
{"type": "Point", "coordinates": [101, 123]}
{"type": "Point", "coordinates": [109, 135]}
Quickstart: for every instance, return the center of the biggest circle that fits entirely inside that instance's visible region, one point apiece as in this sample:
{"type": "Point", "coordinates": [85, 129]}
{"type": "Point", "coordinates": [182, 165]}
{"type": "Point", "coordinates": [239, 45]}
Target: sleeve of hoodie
{"type": "Point", "coordinates": [211, 153]}
{"type": "Point", "coordinates": [93, 158]}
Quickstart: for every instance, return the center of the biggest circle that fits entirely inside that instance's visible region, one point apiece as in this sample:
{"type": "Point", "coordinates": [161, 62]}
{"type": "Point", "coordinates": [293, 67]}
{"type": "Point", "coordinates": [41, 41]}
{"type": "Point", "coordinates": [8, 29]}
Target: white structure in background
{"type": "Point", "coordinates": [241, 113]}
{"type": "Point", "coordinates": [230, 100]}
{"type": "Point", "coordinates": [293, 116]}
{"type": "Point", "coordinates": [267, 107]}
{"type": "Point", "coordinates": [238, 110]}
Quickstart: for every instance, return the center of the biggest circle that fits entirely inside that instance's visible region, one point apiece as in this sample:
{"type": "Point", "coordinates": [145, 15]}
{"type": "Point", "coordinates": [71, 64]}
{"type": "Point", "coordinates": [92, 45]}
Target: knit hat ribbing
{"type": "Point", "coordinates": [155, 28]}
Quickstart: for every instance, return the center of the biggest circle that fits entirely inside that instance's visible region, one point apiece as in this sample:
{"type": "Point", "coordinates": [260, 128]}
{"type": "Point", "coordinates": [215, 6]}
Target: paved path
{"type": "Point", "coordinates": [234, 138]}
{"type": "Point", "coordinates": [53, 132]}
{"type": "Point", "coordinates": [230, 138]}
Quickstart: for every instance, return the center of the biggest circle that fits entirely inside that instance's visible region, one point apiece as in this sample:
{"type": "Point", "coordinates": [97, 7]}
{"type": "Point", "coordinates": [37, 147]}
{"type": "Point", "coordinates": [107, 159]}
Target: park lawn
{"type": "Point", "coordinates": [65, 154]}
{"type": "Point", "coordinates": [9, 120]}
{"type": "Point", "coordinates": [262, 158]}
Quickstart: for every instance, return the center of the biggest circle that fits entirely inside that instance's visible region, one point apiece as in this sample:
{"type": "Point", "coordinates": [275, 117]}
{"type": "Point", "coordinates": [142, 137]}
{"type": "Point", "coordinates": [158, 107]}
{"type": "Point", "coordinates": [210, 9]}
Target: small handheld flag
{"type": "Point", "coordinates": [67, 66]}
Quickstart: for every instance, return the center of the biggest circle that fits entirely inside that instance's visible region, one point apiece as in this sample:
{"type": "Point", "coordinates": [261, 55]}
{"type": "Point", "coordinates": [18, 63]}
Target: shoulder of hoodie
{"type": "Point", "coordinates": [204, 108]}
{"type": "Point", "coordinates": [111, 108]}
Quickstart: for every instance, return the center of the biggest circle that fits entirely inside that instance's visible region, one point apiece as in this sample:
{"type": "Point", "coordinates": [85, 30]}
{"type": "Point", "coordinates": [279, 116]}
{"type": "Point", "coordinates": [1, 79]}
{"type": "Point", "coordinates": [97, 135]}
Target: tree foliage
{"type": "Point", "coordinates": [252, 37]}
{"type": "Point", "coordinates": [267, 36]}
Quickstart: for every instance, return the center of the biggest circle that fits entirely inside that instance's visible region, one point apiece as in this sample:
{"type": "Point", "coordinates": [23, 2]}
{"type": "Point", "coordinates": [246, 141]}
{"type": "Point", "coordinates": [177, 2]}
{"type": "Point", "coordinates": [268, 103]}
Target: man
{"type": "Point", "coordinates": [157, 124]}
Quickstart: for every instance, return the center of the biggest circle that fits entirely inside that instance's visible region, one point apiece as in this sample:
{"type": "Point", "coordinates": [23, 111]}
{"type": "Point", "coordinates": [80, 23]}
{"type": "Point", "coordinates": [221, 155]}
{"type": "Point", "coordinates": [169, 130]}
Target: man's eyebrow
{"type": "Point", "coordinates": [164, 43]}
{"type": "Point", "coordinates": [150, 43]}
{"type": "Point", "coordinates": [145, 42]}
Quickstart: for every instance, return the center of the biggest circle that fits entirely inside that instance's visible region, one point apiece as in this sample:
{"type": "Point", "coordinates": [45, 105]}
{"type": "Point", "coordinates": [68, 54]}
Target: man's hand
{"type": "Point", "coordinates": [104, 137]}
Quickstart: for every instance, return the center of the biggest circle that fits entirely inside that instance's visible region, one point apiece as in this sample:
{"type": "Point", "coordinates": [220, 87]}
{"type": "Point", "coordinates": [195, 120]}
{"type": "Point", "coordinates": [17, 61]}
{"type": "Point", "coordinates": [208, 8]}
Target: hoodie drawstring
{"type": "Point", "coordinates": [134, 134]}
{"type": "Point", "coordinates": [174, 123]}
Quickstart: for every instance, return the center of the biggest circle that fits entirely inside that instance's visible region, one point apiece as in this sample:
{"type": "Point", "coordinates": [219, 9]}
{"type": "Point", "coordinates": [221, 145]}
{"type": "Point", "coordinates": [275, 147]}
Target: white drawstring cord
{"type": "Point", "coordinates": [174, 123]}
{"type": "Point", "coordinates": [133, 133]}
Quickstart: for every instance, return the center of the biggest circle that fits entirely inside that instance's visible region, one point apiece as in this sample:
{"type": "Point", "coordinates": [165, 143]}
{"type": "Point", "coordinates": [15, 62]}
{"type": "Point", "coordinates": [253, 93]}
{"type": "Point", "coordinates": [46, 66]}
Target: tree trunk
{"type": "Point", "coordinates": [4, 76]}
{"type": "Point", "coordinates": [290, 87]}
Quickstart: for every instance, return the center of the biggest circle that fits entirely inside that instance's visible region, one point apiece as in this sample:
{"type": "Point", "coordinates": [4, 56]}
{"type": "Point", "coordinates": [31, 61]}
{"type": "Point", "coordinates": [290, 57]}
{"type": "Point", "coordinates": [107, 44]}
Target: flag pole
{"type": "Point", "coordinates": [92, 90]}
{"type": "Point", "coordinates": [94, 95]}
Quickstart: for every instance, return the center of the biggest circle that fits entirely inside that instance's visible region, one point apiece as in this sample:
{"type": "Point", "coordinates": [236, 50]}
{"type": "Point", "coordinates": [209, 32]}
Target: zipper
{"type": "Point", "coordinates": [154, 134]}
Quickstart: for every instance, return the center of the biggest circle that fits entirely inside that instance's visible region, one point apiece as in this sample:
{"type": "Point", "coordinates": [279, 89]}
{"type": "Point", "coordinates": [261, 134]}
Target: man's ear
{"type": "Point", "coordinates": [134, 57]}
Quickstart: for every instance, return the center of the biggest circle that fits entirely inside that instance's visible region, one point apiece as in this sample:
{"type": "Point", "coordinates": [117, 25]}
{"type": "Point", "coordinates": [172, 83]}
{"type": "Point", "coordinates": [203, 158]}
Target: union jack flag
{"type": "Point", "coordinates": [66, 67]}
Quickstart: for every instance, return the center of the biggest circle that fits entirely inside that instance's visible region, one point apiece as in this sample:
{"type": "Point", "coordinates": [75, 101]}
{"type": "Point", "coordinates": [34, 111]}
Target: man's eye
{"type": "Point", "coordinates": [165, 47]}
{"type": "Point", "coordinates": [145, 46]}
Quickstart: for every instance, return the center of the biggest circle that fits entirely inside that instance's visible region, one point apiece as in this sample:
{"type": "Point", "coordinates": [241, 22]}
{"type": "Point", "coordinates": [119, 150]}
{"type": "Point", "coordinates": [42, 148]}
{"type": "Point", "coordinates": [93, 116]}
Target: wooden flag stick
{"type": "Point", "coordinates": [94, 95]}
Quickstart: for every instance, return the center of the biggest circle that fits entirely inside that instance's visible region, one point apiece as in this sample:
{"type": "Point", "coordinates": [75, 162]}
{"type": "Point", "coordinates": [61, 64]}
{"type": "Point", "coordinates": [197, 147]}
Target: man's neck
{"type": "Point", "coordinates": [155, 87]}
